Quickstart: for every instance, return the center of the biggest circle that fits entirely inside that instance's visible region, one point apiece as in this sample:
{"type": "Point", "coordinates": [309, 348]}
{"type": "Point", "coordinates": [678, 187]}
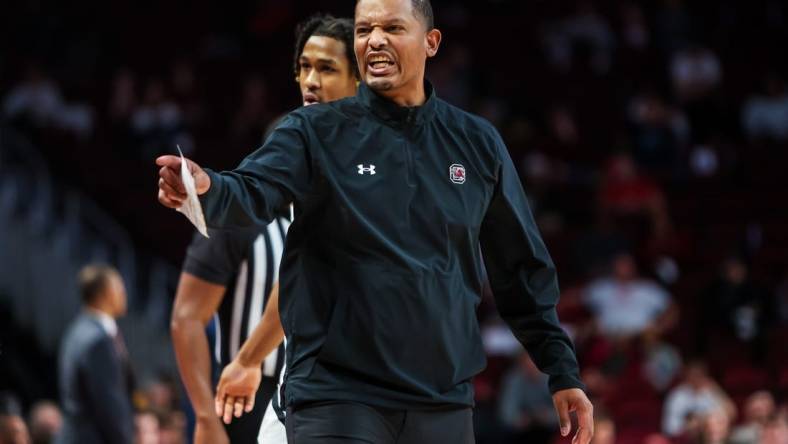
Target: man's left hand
{"type": "Point", "coordinates": [575, 400]}
{"type": "Point", "coordinates": [236, 391]}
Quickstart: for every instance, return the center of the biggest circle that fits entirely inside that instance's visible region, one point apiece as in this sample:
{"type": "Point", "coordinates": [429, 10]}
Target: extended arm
{"type": "Point", "coordinates": [278, 173]}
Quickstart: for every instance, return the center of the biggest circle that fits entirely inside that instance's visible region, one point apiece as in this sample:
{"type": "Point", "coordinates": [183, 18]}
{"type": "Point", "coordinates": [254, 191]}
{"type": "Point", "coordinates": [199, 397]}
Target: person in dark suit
{"type": "Point", "coordinates": [93, 366]}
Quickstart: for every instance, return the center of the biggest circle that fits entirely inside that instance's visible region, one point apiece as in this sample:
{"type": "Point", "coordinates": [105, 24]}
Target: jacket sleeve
{"type": "Point", "coordinates": [108, 401]}
{"type": "Point", "coordinates": [523, 277]}
{"type": "Point", "coordinates": [278, 173]}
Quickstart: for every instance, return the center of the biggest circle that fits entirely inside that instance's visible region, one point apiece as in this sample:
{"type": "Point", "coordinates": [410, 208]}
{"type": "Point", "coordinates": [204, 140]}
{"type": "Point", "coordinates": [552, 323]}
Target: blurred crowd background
{"type": "Point", "coordinates": [651, 137]}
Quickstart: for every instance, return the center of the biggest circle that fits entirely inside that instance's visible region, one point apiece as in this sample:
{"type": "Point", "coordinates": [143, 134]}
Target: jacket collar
{"type": "Point", "coordinates": [395, 114]}
{"type": "Point", "coordinates": [108, 324]}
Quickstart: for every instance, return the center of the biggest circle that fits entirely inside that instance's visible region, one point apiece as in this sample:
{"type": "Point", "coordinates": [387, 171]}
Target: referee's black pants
{"type": "Point", "coordinates": [356, 423]}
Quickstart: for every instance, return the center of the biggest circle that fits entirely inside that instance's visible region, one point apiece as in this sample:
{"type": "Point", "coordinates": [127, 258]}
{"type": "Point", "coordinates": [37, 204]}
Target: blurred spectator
{"type": "Point", "coordinates": [776, 430]}
{"type": "Point", "coordinates": [715, 427]}
{"type": "Point", "coordinates": [626, 193]}
{"type": "Point", "coordinates": [45, 422]}
{"type": "Point", "coordinates": [156, 123]}
{"type": "Point", "coordinates": [588, 29]}
{"type": "Point", "coordinates": [160, 394]}
{"type": "Point", "coordinates": [37, 102]}
{"type": "Point", "coordinates": [659, 131]}
{"type": "Point", "coordinates": [172, 428]}
{"type": "Point", "coordinates": [766, 115]}
{"type": "Point", "coordinates": [94, 371]}
{"type": "Point", "coordinates": [526, 406]}
{"type": "Point", "coordinates": [662, 362]}
{"type": "Point", "coordinates": [498, 339]}
{"type": "Point", "coordinates": [13, 429]}
{"type": "Point", "coordinates": [146, 428]}
{"type": "Point", "coordinates": [697, 395]}
{"type": "Point", "coordinates": [695, 72]}
{"type": "Point", "coordinates": [735, 303]}
{"type": "Point", "coordinates": [758, 408]}
{"type": "Point", "coordinates": [564, 141]}
{"type": "Point", "coordinates": [604, 428]}
{"type": "Point", "coordinates": [625, 305]}
{"type": "Point", "coordinates": [656, 438]}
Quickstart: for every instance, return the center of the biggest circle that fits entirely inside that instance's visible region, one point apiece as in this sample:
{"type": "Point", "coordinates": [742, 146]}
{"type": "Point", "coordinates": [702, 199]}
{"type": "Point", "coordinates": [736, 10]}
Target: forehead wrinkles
{"type": "Point", "coordinates": [378, 14]}
{"type": "Point", "coordinates": [379, 20]}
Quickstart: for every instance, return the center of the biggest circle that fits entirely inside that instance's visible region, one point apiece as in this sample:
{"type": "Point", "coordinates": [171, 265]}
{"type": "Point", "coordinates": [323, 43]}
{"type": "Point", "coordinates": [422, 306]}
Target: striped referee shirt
{"type": "Point", "coordinates": [246, 263]}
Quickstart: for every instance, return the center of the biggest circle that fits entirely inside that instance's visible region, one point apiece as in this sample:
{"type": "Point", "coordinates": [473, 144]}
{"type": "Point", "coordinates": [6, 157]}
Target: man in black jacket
{"type": "Point", "coordinates": [394, 191]}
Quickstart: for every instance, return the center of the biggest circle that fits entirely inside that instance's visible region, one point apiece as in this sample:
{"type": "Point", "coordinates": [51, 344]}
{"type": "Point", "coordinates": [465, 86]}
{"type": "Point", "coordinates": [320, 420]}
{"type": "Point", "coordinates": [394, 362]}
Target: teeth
{"type": "Point", "coordinates": [378, 59]}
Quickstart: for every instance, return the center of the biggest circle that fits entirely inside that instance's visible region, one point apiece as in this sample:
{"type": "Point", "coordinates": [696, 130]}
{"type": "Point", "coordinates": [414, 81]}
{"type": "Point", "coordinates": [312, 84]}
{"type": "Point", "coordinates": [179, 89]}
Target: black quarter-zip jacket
{"type": "Point", "coordinates": [382, 270]}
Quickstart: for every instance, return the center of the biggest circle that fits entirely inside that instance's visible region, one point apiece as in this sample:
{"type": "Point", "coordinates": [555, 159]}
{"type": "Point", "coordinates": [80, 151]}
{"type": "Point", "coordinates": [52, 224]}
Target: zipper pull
{"type": "Point", "coordinates": [411, 113]}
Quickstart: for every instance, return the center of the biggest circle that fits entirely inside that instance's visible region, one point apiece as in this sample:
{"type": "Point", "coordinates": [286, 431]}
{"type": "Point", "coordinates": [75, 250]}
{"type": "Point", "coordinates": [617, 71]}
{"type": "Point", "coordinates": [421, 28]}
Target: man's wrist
{"type": "Point", "coordinates": [206, 416]}
{"type": "Point", "coordinates": [556, 383]}
{"type": "Point", "coordinates": [246, 359]}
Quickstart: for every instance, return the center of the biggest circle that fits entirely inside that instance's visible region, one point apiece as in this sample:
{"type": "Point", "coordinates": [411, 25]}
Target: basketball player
{"type": "Point", "coordinates": [231, 276]}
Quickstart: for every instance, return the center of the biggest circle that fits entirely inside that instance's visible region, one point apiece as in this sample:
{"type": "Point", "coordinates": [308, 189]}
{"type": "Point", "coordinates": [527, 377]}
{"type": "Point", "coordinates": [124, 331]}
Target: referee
{"type": "Point", "coordinates": [228, 278]}
{"type": "Point", "coordinates": [394, 190]}
{"type": "Point", "coordinates": [231, 277]}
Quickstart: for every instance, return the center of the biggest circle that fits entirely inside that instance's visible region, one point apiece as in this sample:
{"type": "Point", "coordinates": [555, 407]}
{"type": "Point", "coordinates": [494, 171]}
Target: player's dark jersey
{"type": "Point", "coordinates": [382, 269]}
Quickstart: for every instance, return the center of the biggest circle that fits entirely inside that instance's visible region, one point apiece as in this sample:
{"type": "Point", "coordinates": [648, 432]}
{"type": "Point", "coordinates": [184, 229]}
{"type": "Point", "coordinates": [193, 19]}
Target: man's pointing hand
{"type": "Point", "coordinates": [171, 190]}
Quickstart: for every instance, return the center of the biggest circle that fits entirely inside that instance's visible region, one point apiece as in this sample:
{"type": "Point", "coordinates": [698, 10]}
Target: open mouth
{"type": "Point", "coordinates": [311, 99]}
{"type": "Point", "coordinates": [380, 63]}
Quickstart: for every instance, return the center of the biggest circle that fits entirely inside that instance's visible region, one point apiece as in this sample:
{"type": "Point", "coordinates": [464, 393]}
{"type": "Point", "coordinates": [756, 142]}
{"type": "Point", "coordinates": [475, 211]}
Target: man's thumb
{"type": "Point", "coordinates": [168, 161]}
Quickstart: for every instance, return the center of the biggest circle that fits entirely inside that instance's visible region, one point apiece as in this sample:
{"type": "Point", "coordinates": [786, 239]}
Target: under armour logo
{"type": "Point", "coordinates": [362, 169]}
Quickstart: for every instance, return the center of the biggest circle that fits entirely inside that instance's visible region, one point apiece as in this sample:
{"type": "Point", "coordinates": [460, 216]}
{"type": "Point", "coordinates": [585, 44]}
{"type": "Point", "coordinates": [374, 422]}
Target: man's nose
{"type": "Point", "coordinates": [377, 38]}
{"type": "Point", "coordinates": [313, 79]}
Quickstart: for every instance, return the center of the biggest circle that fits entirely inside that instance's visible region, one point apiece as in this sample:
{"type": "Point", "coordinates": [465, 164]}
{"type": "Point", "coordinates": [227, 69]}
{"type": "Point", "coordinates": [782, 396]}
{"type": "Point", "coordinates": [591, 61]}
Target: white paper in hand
{"type": "Point", "coordinates": [191, 207]}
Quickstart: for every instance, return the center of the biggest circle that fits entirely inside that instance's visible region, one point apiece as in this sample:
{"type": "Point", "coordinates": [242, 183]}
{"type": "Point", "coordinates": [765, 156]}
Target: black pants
{"type": "Point", "coordinates": [244, 430]}
{"type": "Point", "coordinates": [355, 423]}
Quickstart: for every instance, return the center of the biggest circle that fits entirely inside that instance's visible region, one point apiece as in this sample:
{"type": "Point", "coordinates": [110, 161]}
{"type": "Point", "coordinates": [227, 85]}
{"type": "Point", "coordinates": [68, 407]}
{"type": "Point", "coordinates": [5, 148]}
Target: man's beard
{"type": "Point", "coordinates": [380, 85]}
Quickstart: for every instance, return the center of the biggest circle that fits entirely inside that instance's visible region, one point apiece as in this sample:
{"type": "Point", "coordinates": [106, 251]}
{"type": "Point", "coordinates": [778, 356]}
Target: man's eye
{"type": "Point", "coordinates": [327, 69]}
{"type": "Point", "coordinates": [394, 28]}
{"type": "Point", "coordinates": [362, 31]}
{"type": "Point", "coordinates": [305, 66]}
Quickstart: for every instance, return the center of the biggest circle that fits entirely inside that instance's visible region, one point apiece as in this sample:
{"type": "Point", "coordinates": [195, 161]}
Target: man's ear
{"type": "Point", "coordinates": [433, 39]}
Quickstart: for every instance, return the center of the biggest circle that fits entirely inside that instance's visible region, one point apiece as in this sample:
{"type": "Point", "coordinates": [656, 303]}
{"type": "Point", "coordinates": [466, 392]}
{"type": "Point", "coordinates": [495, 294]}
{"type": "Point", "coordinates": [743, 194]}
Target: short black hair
{"type": "Point", "coordinates": [325, 25]}
{"type": "Point", "coordinates": [93, 280]}
{"type": "Point", "coordinates": [424, 9]}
